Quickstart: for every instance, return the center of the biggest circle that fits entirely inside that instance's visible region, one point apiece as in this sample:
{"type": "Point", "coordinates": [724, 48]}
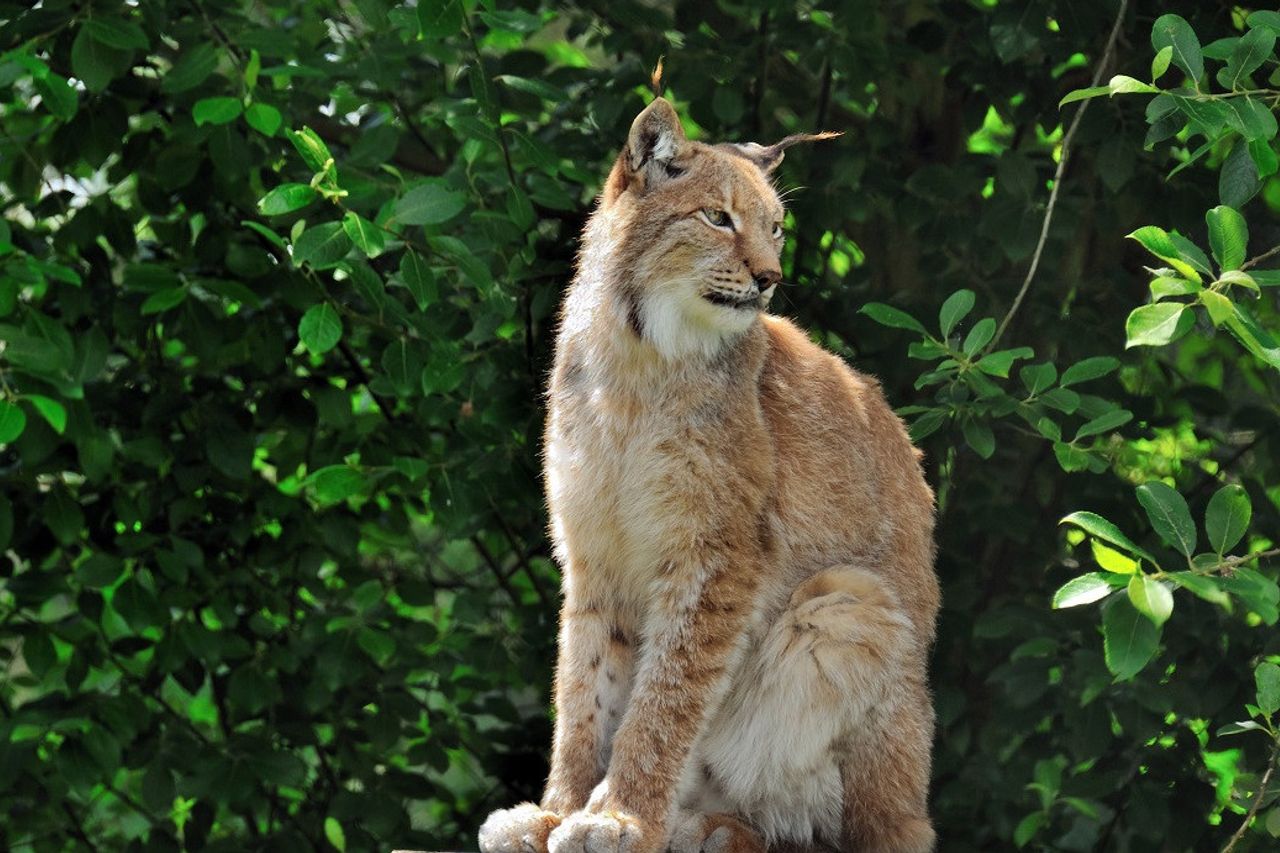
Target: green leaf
{"type": "Point", "coordinates": [1238, 178]}
{"type": "Point", "coordinates": [537, 88]}
{"type": "Point", "coordinates": [429, 203]}
{"type": "Point", "coordinates": [264, 118]}
{"type": "Point", "coordinates": [1228, 236]}
{"type": "Point", "coordinates": [95, 63]}
{"type": "Point", "coordinates": [1227, 517]}
{"type": "Point", "coordinates": [163, 300]}
{"type": "Point", "coordinates": [978, 436]}
{"type": "Point", "coordinates": [38, 652]}
{"type": "Point", "coordinates": [1253, 49]}
{"type": "Point", "coordinates": [887, 315]}
{"type": "Point", "coordinates": [979, 336]}
{"type": "Point", "coordinates": [12, 422]}
{"type": "Point", "coordinates": [1096, 525]}
{"type": "Point", "coordinates": [1169, 515]}
{"type": "Point", "coordinates": [332, 829]}
{"type": "Point", "coordinates": [322, 246]}
{"type": "Point", "coordinates": [252, 69]}
{"type": "Point", "coordinates": [1028, 827]}
{"type": "Point", "coordinates": [1264, 158]}
{"type": "Point", "coordinates": [1084, 94]}
{"type": "Point", "coordinates": [57, 96]}
{"type": "Point", "coordinates": [320, 328]}
{"type": "Point", "coordinates": [1251, 119]}
{"type": "Point", "coordinates": [1257, 340]}
{"type": "Point", "coordinates": [1106, 422]}
{"type": "Point", "coordinates": [99, 571]}
{"type": "Point", "coordinates": [1270, 20]}
{"type": "Point", "coordinates": [1038, 377]}
{"type": "Point", "coordinates": [954, 310]}
{"type": "Point", "coordinates": [218, 110]}
{"type": "Point", "coordinates": [311, 148]}
{"type": "Point", "coordinates": [1162, 287]}
{"type": "Point", "coordinates": [1156, 325]}
{"type": "Point", "coordinates": [402, 363]}
{"type": "Point", "coordinates": [1267, 678]}
{"type": "Point", "coordinates": [1063, 399]}
{"type": "Point", "coordinates": [1219, 307]}
{"type": "Point", "coordinates": [1191, 253]}
{"type": "Point", "coordinates": [1085, 589]}
{"type": "Point", "coordinates": [335, 483]}
{"type": "Point", "coordinates": [367, 236]}
{"type": "Point", "coordinates": [1151, 598]}
{"type": "Point", "coordinates": [1088, 369]}
{"type": "Point", "coordinates": [158, 788]}
{"type": "Point", "coordinates": [417, 277]}
{"type": "Point", "coordinates": [1174, 32]}
{"type": "Point", "coordinates": [1160, 63]}
{"type": "Point", "coordinates": [193, 66]}
{"type": "Point", "coordinates": [439, 19]}
{"type": "Point", "coordinates": [999, 362]}
{"type": "Point", "coordinates": [1202, 586]}
{"type": "Point", "coordinates": [1129, 639]}
{"type": "Point", "coordinates": [378, 644]}
{"type": "Point", "coordinates": [51, 410]}
{"type": "Point", "coordinates": [1122, 85]}
{"type": "Point", "coordinates": [1158, 242]}
{"type": "Point", "coordinates": [118, 33]}
{"type": "Point", "coordinates": [286, 198]}
{"type": "Point", "coordinates": [1112, 560]}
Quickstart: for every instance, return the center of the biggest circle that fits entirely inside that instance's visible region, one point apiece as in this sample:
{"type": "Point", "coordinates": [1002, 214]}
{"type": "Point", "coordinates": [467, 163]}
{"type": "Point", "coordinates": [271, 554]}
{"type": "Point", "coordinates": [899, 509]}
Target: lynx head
{"type": "Point", "coordinates": [702, 236]}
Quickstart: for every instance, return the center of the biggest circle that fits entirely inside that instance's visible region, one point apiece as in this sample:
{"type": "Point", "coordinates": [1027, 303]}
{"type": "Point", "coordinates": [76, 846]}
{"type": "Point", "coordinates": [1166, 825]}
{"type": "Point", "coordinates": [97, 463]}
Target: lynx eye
{"type": "Point", "coordinates": [718, 218]}
{"type": "Point", "coordinates": [777, 230]}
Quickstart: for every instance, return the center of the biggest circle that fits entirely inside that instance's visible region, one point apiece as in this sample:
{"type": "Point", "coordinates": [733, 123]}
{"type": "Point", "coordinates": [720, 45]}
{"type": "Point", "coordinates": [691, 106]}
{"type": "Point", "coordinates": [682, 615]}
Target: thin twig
{"type": "Point", "coordinates": [499, 575]}
{"type": "Point", "coordinates": [1253, 262]}
{"type": "Point", "coordinates": [1257, 801]}
{"type": "Point", "coordinates": [1107, 55]}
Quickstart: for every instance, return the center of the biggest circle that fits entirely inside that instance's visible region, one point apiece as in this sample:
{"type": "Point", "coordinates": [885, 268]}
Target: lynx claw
{"type": "Point", "coordinates": [523, 829]}
{"type": "Point", "coordinates": [583, 832]}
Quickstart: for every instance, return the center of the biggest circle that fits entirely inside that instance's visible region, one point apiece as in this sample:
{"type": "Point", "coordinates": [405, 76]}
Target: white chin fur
{"type": "Point", "coordinates": [681, 324]}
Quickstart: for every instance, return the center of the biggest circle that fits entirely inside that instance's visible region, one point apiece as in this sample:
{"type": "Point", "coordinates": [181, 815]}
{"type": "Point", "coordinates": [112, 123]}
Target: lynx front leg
{"type": "Point", "coordinates": [699, 614]}
{"type": "Point", "coordinates": [593, 681]}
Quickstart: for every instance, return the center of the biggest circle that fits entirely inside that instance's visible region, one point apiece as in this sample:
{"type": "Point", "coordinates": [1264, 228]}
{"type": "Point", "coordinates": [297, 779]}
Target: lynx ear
{"type": "Point", "coordinates": [656, 139]}
{"type": "Point", "coordinates": [768, 157]}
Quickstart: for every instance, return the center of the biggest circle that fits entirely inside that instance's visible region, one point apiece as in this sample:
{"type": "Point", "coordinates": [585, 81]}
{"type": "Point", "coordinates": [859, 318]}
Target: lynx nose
{"type": "Point", "coordinates": [767, 279]}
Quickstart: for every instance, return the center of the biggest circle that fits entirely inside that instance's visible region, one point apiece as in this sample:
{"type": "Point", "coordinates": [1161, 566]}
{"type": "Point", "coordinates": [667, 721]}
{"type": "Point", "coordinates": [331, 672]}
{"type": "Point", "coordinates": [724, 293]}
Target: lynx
{"type": "Point", "coordinates": [746, 541]}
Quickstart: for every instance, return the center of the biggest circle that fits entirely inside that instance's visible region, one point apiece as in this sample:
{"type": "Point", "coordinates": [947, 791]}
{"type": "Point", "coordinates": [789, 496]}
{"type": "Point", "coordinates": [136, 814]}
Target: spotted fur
{"type": "Point", "coordinates": [745, 537]}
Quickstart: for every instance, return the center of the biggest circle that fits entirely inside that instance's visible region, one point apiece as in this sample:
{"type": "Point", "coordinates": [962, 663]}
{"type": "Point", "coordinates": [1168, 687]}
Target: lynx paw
{"type": "Point", "coordinates": [715, 833]}
{"type": "Point", "coordinates": [583, 832]}
{"type": "Point", "coordinates": [523, 829]}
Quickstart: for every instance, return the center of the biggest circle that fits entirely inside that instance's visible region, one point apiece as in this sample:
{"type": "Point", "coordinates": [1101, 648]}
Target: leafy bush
{"type": "Point", "coordinates": [277, 292]}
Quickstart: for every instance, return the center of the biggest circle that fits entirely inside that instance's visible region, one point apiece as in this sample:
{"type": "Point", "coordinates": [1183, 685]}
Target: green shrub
{"type": "Point", "coordinates": [277, 287]}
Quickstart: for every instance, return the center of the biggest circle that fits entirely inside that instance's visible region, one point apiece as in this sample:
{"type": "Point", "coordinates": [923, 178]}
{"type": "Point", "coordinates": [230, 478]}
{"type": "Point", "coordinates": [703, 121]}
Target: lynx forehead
{"type": "Point", "coordinates": [745, 538]}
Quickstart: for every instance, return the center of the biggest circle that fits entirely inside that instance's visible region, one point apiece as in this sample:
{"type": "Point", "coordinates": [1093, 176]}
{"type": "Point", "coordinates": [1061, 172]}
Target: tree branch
{"type": "Point", "coordinates": [1107, 54]}
{"type": "Point", "coordinates": [1257, 801]}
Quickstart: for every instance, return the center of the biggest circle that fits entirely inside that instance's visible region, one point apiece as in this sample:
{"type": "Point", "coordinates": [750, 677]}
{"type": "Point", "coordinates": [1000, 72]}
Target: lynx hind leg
{"type": "Point", "coordinates": [886, 775]}
{"type": "Point", "coordinates": [522, 829]}
{"type": "Point", "coordinates": [829, 659]}
{"type": "Point", "coordinates": [713, 833]}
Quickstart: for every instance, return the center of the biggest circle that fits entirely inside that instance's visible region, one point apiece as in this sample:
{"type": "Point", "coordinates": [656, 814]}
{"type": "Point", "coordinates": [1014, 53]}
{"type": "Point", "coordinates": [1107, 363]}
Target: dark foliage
{"type": "Point", "coordinates": [277, 282]}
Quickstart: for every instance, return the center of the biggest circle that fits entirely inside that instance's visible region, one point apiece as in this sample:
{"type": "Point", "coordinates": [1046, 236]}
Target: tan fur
{"type": "Point", "coordinates": [746, 543]}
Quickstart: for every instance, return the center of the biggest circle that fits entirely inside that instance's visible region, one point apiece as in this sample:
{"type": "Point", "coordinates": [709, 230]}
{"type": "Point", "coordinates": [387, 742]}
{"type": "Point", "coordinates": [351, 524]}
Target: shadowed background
{"type": "Point", "coordinates": [279, 578]}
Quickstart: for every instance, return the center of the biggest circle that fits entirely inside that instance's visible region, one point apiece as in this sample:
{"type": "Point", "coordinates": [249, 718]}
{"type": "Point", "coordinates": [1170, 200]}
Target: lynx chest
{"type": "Point", "coordinates": [617, 475]}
